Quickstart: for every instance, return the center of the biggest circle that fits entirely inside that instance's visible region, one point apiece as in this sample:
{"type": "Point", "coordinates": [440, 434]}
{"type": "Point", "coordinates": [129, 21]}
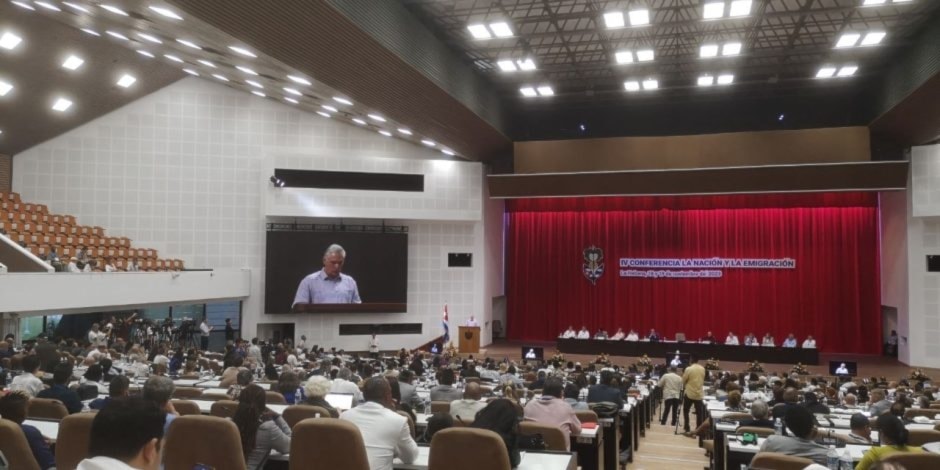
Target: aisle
{"type": "Point", "coordinates": [662, 450]}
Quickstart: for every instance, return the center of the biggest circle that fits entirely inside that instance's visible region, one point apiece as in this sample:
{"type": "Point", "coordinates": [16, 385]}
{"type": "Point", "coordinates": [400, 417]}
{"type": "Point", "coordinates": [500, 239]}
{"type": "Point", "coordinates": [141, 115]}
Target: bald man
{"type": "Point", "coordinates": [466, 408]}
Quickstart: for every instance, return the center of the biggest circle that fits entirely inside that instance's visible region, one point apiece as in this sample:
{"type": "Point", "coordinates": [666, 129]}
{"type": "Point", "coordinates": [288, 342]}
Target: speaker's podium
{"type": "Point", "coordinates": [469, 339]}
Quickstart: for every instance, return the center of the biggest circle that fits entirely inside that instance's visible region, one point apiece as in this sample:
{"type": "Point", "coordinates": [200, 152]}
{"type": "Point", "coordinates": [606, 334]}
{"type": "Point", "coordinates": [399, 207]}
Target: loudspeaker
{"type": "Point", "coordinates": [933, 263]}
{"type": "Point", "coordinates": [459, 260]}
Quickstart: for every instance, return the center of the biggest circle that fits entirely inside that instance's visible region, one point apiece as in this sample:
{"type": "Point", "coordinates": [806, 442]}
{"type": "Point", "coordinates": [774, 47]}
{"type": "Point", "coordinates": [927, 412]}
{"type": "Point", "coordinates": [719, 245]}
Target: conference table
{"type": "Point", "coordinates": [662, 349]}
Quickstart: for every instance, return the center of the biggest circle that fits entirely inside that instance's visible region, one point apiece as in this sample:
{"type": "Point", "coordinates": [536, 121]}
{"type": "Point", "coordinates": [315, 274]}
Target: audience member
{"type": "Point", "coordinates": [466, 408]}
{"type": "Point", "coordinates": [94, 376]}
{"type": "Point", "coordinates": [605, 391]}
{"type": "Point", "coordinates": [502, 417]}
{"type": "Point", "coordinates": [28, 382]}
{"type": "Point", "coordinates": [759, 413]}
{"type": "Point", "coordinates": [343, 384]}
{"type": "Point", "coordinates": [800, 422]}
{"type": "Point", "coordinates": [60, 389]}
{"type": "Point", "coordinates": [118, 388]}
{"type": "Point", "coordinates": [437, 422]}
{"type": "Point", "coordinates": [242, 380]}
{"type": "Point", "coordinates": [879, 405]}
{"type": "Point", "coordinates": [893, 438]}
{"type": "Point", "coordinates": [386, 434]}
{"type": "Point", "coordinates": [13, 408]}
{"type": "Point", "coordinates": [159, 390]}
{"type": "Point", "coordinates": [126, 435]}
{"type": "Point", "coordinates": [409, 392]}
{"type": "Point", "coordinates": [446, 391]}
{"type": "Point", "coordinates": [289, 386]}
{"type": "Point", "coordinates": [316, 389]}
{"type": "Point", "coordinates": [811, 402]}
{"type": "Point", "coordinates": [860, 432]}
{"type": "Point", "coordinates": [550, 409]}
{"type": "Point", "coordinates": [261, 429]}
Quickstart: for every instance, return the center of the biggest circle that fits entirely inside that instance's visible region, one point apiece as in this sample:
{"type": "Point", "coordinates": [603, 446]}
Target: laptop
{"type": "Point", "coordinates": [340, 401]}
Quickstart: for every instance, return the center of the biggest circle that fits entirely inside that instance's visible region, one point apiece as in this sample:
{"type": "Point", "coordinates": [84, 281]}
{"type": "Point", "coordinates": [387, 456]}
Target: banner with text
{"type": "Point", "coordinates": [687, 268]}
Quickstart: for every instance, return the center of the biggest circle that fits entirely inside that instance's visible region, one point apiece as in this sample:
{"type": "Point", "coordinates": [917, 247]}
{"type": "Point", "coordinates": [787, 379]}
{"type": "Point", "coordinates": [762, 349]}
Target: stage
{"type": "Point", "coordinates": [657, 351]}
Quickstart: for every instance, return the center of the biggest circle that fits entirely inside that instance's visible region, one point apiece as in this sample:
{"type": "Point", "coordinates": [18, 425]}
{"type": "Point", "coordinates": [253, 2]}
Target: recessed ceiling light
{"type": "Point", "coordinates": [708, 50]}
{"type": "Point", "coordinates": [448, 152]}
{"type": "Point", "coordinates": [631, 85]}
{"type": "Point", "coordinates": [726, 79]}
{"type": "Point", "coordinates": [5, 88]}
{"type": "Point", "coordinates": [826, 72]}
{"type": "Point", "coordinates": [220, 77]}
{"type": "Point", "coordinates": [713, 10]}
{"type": "Point", "coordinates": [166, 12]}
{"type": "Point", "coordinates": [117, 35]}
{"type": "Point", "coordinates": [188, 44]}
{"type": "Point", "coordinates": [385, 133]}
{"type": "Point", "coordinates": [376, 117]}
{"type": "Point", "coordinates": [706, 80]}
{"type": "Point", "coordinates": [526, 65]}
{"type": "Point", "coordinates": [9, 40]}
{"type": "Point", "coordinates": [24, 5]}
{"type": "Point", "coordinates": [114, 9]}
{"type": "Point", "coordinates": [73, 62]}
{"type": "Point", "coordinates": [61, 104]}
{"type": "Point", "coordinates": [359, 121]}
{"type": "Point", "coordinates": [191, 72]}
{"type": "Point", "coordinates": [507, 65]}
{"type": "Point", "coordinates": [847, 71]}
{"type": "Point", "coordinates": [291, 100]}
{"type": "Point", "coordinates": [640, 17]}
{"type": "Point", "coordinates": [321, 113]}
{"type": "Point", "coordinates": [246, 70]}
{"type": "Point", "coordinates": [429, 143]}
{"type": "Point", "coordinates": [342, 101]}
{"type": "Point", "coordinates": [528, 92]}
{"type": "Point", "coordinates": [650, 84]}
{"type": "Point", "coordinates": [873, 38]}
{"type": "Point", "coordinates": [207, 63]}
{"type": "Point", "coordinates": [300, 80]}
{"type": "Point", "coordinates": [848, 40]}
{"type": "Point", "coordinates": [740, 8]}
{"type": "Point", "coordinates": [173, 58]}
{"type": "Point", "coordinates": [479, 31]}
{"type": "Point", "coordinates": [644, 55]}
{"type": "Point", "coordinates": [731, 48]}
{"type": "Point", "coordinates": [243, 51]}
{"type": "Point", "coordinates": [147, 37]}
{"type": "Point", "coordinates": [329, 108]}
{"type": "Point", "coordinates": [501, 29]}
{"type": "Point", "coordinates": [404, 131]}
{"type": "Point", "coordinates": [545, 90]}
{"type": "Point", "coordinates": [91, 32]}
{"type": "Point", "coordinates": [258, 93]}
{"type": "Point", "coordinates": [624, 57]}
{"type": "Point", "coordinates": [145, 53]}
{"type": "Point", "coordinates": [869, 3]}
{"type": "Point", "coordinates": [76, 7]}
{"type": "Point", "coordinates": [293, 91]}
{"type": "Point", "coordinates": [48, 6]}
{"type": "Point", "coordinates": [614, 19]}
{"type": "Point", "coordinates": [254, 83]}
{"type": "Point", "coordinates": [126, 81]}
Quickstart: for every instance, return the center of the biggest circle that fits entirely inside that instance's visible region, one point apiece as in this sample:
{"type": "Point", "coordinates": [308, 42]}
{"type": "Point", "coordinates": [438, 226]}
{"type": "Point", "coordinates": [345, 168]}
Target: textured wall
{"type": "Point", "coordinates": [6, 172]}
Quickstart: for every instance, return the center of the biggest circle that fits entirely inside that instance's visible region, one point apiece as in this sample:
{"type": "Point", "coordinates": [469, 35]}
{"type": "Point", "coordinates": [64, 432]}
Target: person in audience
{"type": "Point", "coordinates": [539, 381]}
{"type": "Point", "coordinates": [569, 333]}
{"type": "Point", "coordinates": [572, 398]}
{"type": "Point", "coordinates": [242, 380]}
{"type": "Point", "coordinates": [133, 266]}
{"type": "Point", "coordinates": [790, 342]}
{"type": "Point", "coordinates": [109, 265]}
{"type": "Point", "coordinates": [126, 435]}
{"type": "Point", "coordinates": [159, 391]}
{"type": "Point", "coordinates": [733, 403]}
{"type": "Point", "coordinates": [502, 417]}
{"type": "Point", "coordinates": [204, 330]}
{"type": "Point", "coordinates": [619, 335]}
{"type": "Point", "coordinates": [731, 339]}
{"type": "Point", "coordinates": [82, 254]}
{"type": "Point", "coordinates": [800, 422]}
{"type": "Point", "coordinates": [860, 430]}
{"type": "Point", "coordinates": [551, 410]}
{"type": "Point", "coordinates": [289, 386]}
{"type": "Point", "coordinates": [446, 391]}
{"type": "Point", "coordinates": [653, 336]}
{"type": "Point", "coordinates": [94, 376]}
{"type": "Point", "coordinates": [891, 346]}
{"type": "Point", "coordinates": [342, 384]}
{"type": "Point", "coordinates": [809, 342]}
{"type": "Point", "coordinates": [13, 408]}
{"type": "Point", "coordinates": [409, 392]}
{"type": "Point", "coordinates": [768, 340]}
{"type": "Point", "coordinates": [759, 413]}
{"type": "Point", "coordinates": [632, 336]}
{"type": "Point", "coordinates": [60, 389]}
{"type": "Point", "coordinates": [811, 402]}
{"type": "Point", "coordinates": [791, 398]}
{"type": "Point", "coordinates": [584, 333]}
{"type": "Point", "coordinates": [316, 389]}
{"type": "Point", "coordinates": [507, 375]}
{"type": "Point", "coordinates": [693, 379]}
{"type": "Point", "coordinates": [466, 408]}
{"type": "Point", "coordinates": [671, 385]}
{"type": "Point", "coordinates": [879, 405]}
{"type": "Point", "coordinates": [709, 338]}
{"type": "Point", "coordinates": [230, 374]}
{"type": "Point", "coordinates": [28, 382]}
{"type": "Point", "coordinates": [437, 422]}
{"type": "Point", "coordinates": [89, 266]}
{"type": "Point", "coordinates": [850, 401]}
{"type": "Point", "coordinates": [118, 388]}
{"type": "Point", "coordinates": [261, 430]}
{"type": "Point", "coordinates": [605, 391]}
{"type": "Point", "coordinates": [893, 438]}
{"type": "Point", "coordinates": [386, 434]}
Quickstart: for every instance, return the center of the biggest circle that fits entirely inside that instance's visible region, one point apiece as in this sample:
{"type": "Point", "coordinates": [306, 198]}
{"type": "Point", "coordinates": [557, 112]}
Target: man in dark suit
{"type": "Point", "coordinates": [604, 391]}
{"type": "Point", "coordinates": [60, 389]}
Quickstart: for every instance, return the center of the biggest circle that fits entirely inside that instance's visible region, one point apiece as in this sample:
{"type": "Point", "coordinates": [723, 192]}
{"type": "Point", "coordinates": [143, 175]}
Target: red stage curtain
{"type": "Point", "coordinates": [833, 294]}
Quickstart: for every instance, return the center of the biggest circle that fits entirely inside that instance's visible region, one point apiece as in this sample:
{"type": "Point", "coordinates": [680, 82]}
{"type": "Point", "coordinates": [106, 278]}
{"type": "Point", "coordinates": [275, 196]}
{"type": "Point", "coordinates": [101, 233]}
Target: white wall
{"type": "Point", "coordinates": [923, 238]}
{"type": "Point", "coordinates": [185, 170]}
{"type": "Point", "coordinates": [894, 269]}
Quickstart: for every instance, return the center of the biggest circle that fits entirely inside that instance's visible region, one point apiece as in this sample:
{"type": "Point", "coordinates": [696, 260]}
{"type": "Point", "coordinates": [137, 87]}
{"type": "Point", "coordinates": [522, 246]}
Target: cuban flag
{"type": "Point", "coordinates": [446, 326]}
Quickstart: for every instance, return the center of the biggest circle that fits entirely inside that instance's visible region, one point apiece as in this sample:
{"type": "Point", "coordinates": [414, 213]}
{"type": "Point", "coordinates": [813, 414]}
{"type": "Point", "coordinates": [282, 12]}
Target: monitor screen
{"type": "Point", "coordinates": [845, 368]}
{"type": "Point", "coordinates": [340, 401]}
{"type": "Point", "coordinates": [680, 360]}
{"type": "Point", "coordinates": [437, 348]}
{"type": "Point", "coordinates": [532, 353]}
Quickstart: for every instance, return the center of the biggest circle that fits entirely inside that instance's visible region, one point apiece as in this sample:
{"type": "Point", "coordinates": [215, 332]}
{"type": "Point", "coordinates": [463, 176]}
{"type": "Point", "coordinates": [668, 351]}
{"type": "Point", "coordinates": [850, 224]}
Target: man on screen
{"type": "Point", "coordinates": [842, 369]}
{"type": "Point", "coordinates": [530, 354]}
{"type": "Point", "coordinates": [329, 285]}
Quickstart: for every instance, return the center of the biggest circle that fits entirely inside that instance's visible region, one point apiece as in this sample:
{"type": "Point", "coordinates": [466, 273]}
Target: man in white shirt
{"type": "Point", "coordinates": [133, 267]}
{"type": "Point", "coordinates": [472, 321]}
{"type": "Point", "coordinates": [125, 435]}
{"type": "Point", "coordinates": [73, 265]}
{"type": "Point", "coordinates": [790, 342]}
{"type": "Point", "coordinates": [204, 330]}
{"type": "Point", "coordinates": [569, 333]}
{"type": "Point", "coordinates": [385, 433]}
{"type": "Point", "coordinates": [342, 385]}
{"type": "Point", "coordinates": [751, 340]}
{"type": "Point", "coordinates": [466, 408]}
{"type": "Point", "coordinates": [584, 333]}
{"type": "Point", "coordinates": [768, 340]}
{"type": "Point", "coordinates": [732, 339]}
{"type": "Point", "coordinates": [632, 336]}
{"type": "Point", "coordinates": [809, 343]}
{"type": "Point", "coordinates": [27, 382]}
{"type": "Point", "coordinates": [374, 346]}
{"type": "Point", "coordinates": [109, 266]}
{"type": "Point", "coordinates": [97, 337]}
{"type": "Point", "coordinates": [618, 335]}
{"type": "Point", "coordinates": [671, 384]}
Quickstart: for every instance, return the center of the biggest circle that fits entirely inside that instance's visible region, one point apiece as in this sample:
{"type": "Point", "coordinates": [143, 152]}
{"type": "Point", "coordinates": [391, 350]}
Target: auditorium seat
{"type": "Point", "coordinates": [186, 407]}
{"type": "Point", "coordinates": [296, 413]}
{"type": "Point", "coordinates": [914, 461]}
{"type": "Point", "coordinates": [338, 445]}
{"type": "Point", "coordinates": [440, 407]}
{"type": "Point", "coordinates": [15, 448]}
{"type": "Point", "coordinates": [553, 436]}
{"type": "Point", "coordinates": [928, 413]}
{"type": "Point", "coordinates": [187, 392]}
{"type": "Point", "coordinates": [72, 440]}
{"type": "Point", "coordinates": [223, 408]}
{"type": "Point", "coordinates": [205, 440]}
{"type": "Point", "coordinates": [467, 449]}
{"type": "Point", "coordinates": [586, 416]}
{"type": "Point", "coordinates": [776, 461]}
{"type": "Point", "coordinates": [274, 398]}
{"type": "Point", "coordinates": [46, 408]}
{"type": "Point", "coordinates": [919, 437]}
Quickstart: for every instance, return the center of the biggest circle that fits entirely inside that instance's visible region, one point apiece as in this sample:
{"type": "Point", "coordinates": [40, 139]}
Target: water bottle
{"type": "Point", "coordinates": [778, 427]}
{"type": "Point", "coordinates": [832, 458]}
{"type": "Point", "coordinates": [297, 399]}
{"type": "Point", "coordinates": [845, 462]}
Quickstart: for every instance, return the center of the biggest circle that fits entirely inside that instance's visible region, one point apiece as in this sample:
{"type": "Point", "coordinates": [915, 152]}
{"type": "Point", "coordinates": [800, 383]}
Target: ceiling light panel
{"type": "Point", "coordinates": [246, 70]}
{"type": "Point", "coordinates": [73, 62]}
{"type": "Point", "coordinates": [650, 84]}
{"type": "Point", "coordinates": [291, 100]}
{"type": "Point", "coordinates": [191, 72]}
{"type": "Point", "coordinates": [848, 40]}
{"type": "Point", "coordinates": [359, 121]}
{"type": "Point", "coordinates": [166, 12]}
{"type": "Point", "coordinates": [126, 81]}
{"type": "Point", "coordinates": [385, 133]}
{"type": "Point", "coordinates": [48, 6]}
{"type": "Point", "coordinates": [740, 8]}
{"type": "Point", "coordinates": [243, 51]}
{"type": "Point", "coordinates": [614, 19]}
{"type": "Point", "coordinates": [329, 108]}
{"type": "Point", "coordinates": [873, 38]}
{"type": "Point", "coordinates": [342, 101]}
{"type": "Point", "coordinates": [293, 91]}
{"type": "Point", "coordinates": [706, 80]}
{"type": "Point", "coordinates": [528, 92]}
{"type": "Point", "coordinates": [61, 104]}
{"type": "Point", "coordinates": [448, 152]}
{"type": "Point", "coordinates": [725, 79]}
{"type": "Point", "coordinates": [23, 5]}
{"type": "Point", "coordinates": [624, 57]}
{"type": "Point", "coordinates": [76, 7]}
{"type": "Point", "coordinates": [428, 143]}
{"type": "Point", "coordinates": [871, 3]}
{"type": "Point", "coordinates": [145, 53]}
{"type": "Point", "coordinates": [114, 9]}
{"type": "Point", "coordinates": [5, 88]}
{"type": "Point", "coordinates": [847, 71]}
{"type": "Point", "coordinates": [117, 35]}
{"type": "Point", "coordinates": [321, 113]}
{"type": "Point", "coordinates": [376, 117]}
{"type": "Point", "coordinates": [254, 83]}
{"type": "Point", "coordinates": [207, 63]}
{"type": "Point", "coordinates": [404, 131]}
{"type": "Point", "coordinates": [631, 85]}
{"type": "Point", "coordinates": [506, 65]}
{"type": "Point", "coordinates": [639, 17]}
{"type": "Point", "coordinates": [258, 93]}
{"type": "Point", "coordinates": [91, 32]}
{"type": "Point", "coordinates": [826, 72]}
{"type": "Point", "coordinates": [299, 80]}
{"type": "Point", "coordinates": [731, 49]}
{"type": "Point", "coordinates": [189, 44]}
{"type": "Point", "coordinates": [9, 41]}
{"type": "Point", "coordinates": [220, 77]}
{"type": "Point", "coordinates": [149, 38]}
{"type": "Point", "coordinates": [173, 58]}
{"type": "Point", "coordinates": [501, 29]}
{"type": "Point", "coordinates": [645, 55]}
{"type": "Point", "coordinates": [479, 31]}
{"type": "Point", "coordinates": [708, 51]}
{"type": "Point", "coordinates": [526, 65]}
{"type": "Point", "coordinates": [713, 10]}
{"type": "Point", "coordinates": [545, 90]}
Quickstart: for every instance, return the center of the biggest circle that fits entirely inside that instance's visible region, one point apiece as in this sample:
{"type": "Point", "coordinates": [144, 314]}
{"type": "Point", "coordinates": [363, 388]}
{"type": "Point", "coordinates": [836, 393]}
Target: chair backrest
{"type": "Point", "coordinates": [411, 422]}
{"type": "Point", "coordinates": [736, 416]}
{"type": "Point", "coordinates": [449, 450]}
{"type": "Point", "coordinates": [186, 407]}
{"type": "Point", "coordinates": [46, 408]}
{"type": "Point", "coordinates": [919, 437]}
{"type": "Point", "coordinates": [339, 445]}
{"type": "Point", "coordinates": [204, 440]}
{"type": "Point", "coordinates": [72, 441]}
{"type": "Point", "coordinates": [296, 413]}
{"type": "Point", "coordinates": [223, 408]}
{"type": "Point", "coordinates": [214, 396]}
{"type": "Point", "coordinates": [927, 412]}
{"type": "Point", "coordinates": [14, 446]}
{"type": "Point", "coordinates": [777, 461]}
{"type": "Point", "coordinates": [914, 461]}
{"type": "Point", "coordinates": [586, 416]}
{"type": "Point", "coordinates": [274, 398]}
{"type": "Point", "coordinates": [187, 392]}
{"type": "Point", "coordinates": [762, 432]}
{"type": "Point", "coordinates": [554, 438]}
{"type": "Point", "coordinates": [440, 407]}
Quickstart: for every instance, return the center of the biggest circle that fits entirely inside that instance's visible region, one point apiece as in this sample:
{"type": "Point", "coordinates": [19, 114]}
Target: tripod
{"type": "Point", "coordinates": [681, 407]}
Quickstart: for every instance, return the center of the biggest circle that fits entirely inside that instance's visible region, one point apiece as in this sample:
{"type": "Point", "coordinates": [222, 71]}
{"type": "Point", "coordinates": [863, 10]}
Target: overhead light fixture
{"type": "Point", "coordinates": [506, 65]}
{"type": "Point", "coordinates": [254, 83]}
{"type": "Point", "coordinates": [173, 58]}
{"type": "Point", "coordinates": [428, 143]}
{"type": "Point", "coordinates": [528, 92]}
{"type": "Point", "coordinates": [526, 65]}
{"type": "Point", "coordinates": [114, 9]}
{"type": "Point", "coordinates": [479, 31]}
{"type": "Point", "coordinates": [404, 131]}
{"type": "Point", "coordinates": [614, 19]}
{"type": "Point", "coordinates": [873, 38]}
{"type": "Point", "coordinates": [117, 35]}
{"type": "Point", "coordinates": [246, 70]}
{"type": "Point", "coordinates": [740, 8]}
{"type": "Point", "coordinates": [448, 152]}
{"type": "Point", "coordinates": [342, 101]}
{"type": "Point", "coordinates": [639, 17]}
{"type": "Point", "coordinates": [849, 39]}
{"type": "Point", "coordinates": [5, 88]}
{"type": "Point", "coordinates": [291, 100]}
{"type": "Point", "coordinates": [359, 121]}
{"type": "Point", "coordinates": [191, 72]}
{"type": "Point", "coordinates": [166, 12]}
{"type": "Point", "coordinates": [277, 182]}
{"type": "Point", "coordinates": [73, 62]}
{"type": "Point", "coordinates": [826, 72]}
{"type": "Point", "coordinates": [61, 104]}
{"type": "Point", "coordinates": [321, 113]}
{"type": "Point", "coordinates": [91, 32]}
{"type": "Point", "coordinates": [149, 38]}
{"type": "Point", "coordinates": [706, 80]}
{"type": "Point", "coordinates": [293, 91]}
{"type": "Point", "coordinates": [545, 90]}
{"type": "Point", "coordinates": [376, 117]}
{"type": "Point", "coordinates": [145, 53]}
{"type": "Point", "coordinates": [731, 48]}
{"type": "Point", "coordinates": [708, 50]}
{"type": "Point", "coordinates": [501, 29]}
{"type": "Point", "coordinates": [726, 79]}
{"type": "Point", "coordinates": [76, 7]}
{"type": "Point", "coordinates": [624, 57]}
{"type": "Point", "coordinates": [329, 108]}
{"type": "Point", "coordinates": [644, 55]}
{"type": "Point", "coordinates": [243, 51]}
{"type": "Point", "coordinates": [299, 80]}
{"type": "Point", "coordinates": [713, 10]}
{"type": "Point", "coordinates": [220, 77]}
{"type": "Point", "coordinates": [24, 5]}
{"type": "Point", "coordinates": [258, 93]}
{"type": "Point", "coordinates": [126, 81]}
{"type": "Point", "coordinates": [650, 84]}
{"type": "Point", "coordinates": [207, 63]}
{"type": "Point", "coordinates": [9, 41]}
{"type": "Point", "coordinates": [48, 6]}
{"type": "Point", "coordinates": [871, 3]}
{"type": "Point", "coordinates": [631, 85]}
{"type": "Point", "coordinates": [189, 44]}
{"type": "Point", "coordinates": [385, 133]}
{"type": "Point", "coordinates": [847, 71]}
